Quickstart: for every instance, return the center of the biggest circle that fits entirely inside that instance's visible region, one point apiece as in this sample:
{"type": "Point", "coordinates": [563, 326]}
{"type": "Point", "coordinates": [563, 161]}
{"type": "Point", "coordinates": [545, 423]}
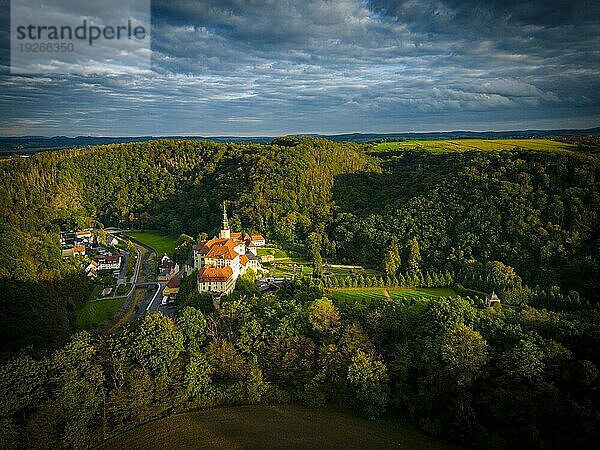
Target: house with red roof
{"type": "Point", "coordinates": [172, 288]}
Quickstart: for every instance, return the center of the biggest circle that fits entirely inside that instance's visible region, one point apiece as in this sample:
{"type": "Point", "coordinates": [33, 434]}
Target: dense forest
{"type": "Point", "coordinates": [522, 223]}
{"type": "Point", "coordinates": [484, 377]}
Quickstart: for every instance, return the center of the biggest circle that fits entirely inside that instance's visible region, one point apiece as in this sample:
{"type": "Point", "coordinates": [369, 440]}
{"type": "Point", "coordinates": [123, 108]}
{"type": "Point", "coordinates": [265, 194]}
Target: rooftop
{"type": "Point", "coordinates": [211, 274]}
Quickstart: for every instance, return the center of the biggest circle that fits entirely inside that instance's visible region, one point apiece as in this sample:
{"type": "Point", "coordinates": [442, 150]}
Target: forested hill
{"type": "Point", "coordinates": [534, 211]}
{"type": "Point", "coordinates": [283, 188]}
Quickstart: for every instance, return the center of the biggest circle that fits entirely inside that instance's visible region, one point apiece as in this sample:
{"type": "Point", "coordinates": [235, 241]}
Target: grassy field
{"type": "Point", "coordinates": [367, 295]}
{"type": "Point", "coordinates": [277, 253]}
{"type": "Point", "coordinates": [94, 312]}
{"type": "Point", "coordinates": [463, 145]}
{"type": "Point", "coordinates": [373, 294]}
{"type": "Point", "coordinates": [159, 242]}
{"type": "Point", "coordinates": [269, 427]}
{"type": "Point", "coordinates": [289, 270]}
{"type": "Point", "coordinates": [399, 293]}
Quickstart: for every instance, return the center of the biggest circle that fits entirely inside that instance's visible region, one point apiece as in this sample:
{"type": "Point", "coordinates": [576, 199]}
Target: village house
{"type": "Point", "coordinates": [256, 240]}
{"type": "Point", "coordinates": [78, 250]}
{"type": "Point", "coordinates": [84, 237]}
{"type": "Point", "coordinates": [221, 260]}
{"type": "Point", "coordinates": [172, 288]}
{"type": "Point", "coordinates": [109, 262]}
{"type": "Point", "coordinates": [251, 248]}
{"type": "Point", "coordinates": [167, 268]}
{"type": "Point", "coordinates": [111, 241]}
{"type": "Point", "coordinates": [91, 269]}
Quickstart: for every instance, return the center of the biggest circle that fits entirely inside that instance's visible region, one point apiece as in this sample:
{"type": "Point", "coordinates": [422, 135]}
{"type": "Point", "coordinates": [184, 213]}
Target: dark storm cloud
{"type": "Point", "coordinates": [273, 67]}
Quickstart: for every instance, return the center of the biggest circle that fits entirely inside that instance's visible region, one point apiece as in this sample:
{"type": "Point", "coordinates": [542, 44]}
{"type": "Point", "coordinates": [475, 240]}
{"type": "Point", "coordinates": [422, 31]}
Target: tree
{"type": "Point", "coordinates": [368, 379]}
{"type": "Point", "coordinates": [77, 391]}
{"type": "Point", "coordinates": [21, 384]}
{"type": "Point", "coordinates": [183, 246]}
{"type": "Point", "coordinates": [524, 362]}
{"type": "Point", "coordinates": [197, 379]}
{"type": "Point", "coordinates": [414, 257]}
{"type": "Point", "coordinates": [464, 353]}
{"type": "Point", "coordinates": [192, 324]}
{"type": "Point", "coordinates": [246, 284]}
{"type": "Point", "coordinates": [317, 266]}
{"type": "Point", "coordinates": [324, 317]}
{"type": "Point", "coordinates": [157, 343]}
{"type": "Point", "coordinates": [391, 260]}
{"type": "Point", "coordinates": [500, 275]}
{"type": "Point", "coordinates": [226, 361]}
{"type": "Point", "coordinates": [313, 244]}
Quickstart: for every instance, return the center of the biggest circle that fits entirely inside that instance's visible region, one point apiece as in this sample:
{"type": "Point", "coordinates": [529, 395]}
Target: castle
{"type": "Point", "coordinates": [221, 260]}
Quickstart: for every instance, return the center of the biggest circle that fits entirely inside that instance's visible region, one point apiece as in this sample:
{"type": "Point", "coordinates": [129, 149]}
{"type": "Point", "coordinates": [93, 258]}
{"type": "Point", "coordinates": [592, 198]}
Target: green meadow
{"type": "Point", "coordinates": [160, 242]}
{"type": "Point", "coordinates": [374, 294]}
{"type": "Point", "coordinates": [465, 145]}
{"type": "Point", "coordinates": [94, 312]}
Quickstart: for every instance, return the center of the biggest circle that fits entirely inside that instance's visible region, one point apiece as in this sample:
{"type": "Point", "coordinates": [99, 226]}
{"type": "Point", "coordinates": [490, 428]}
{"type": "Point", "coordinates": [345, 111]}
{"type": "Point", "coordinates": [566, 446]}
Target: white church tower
{"type": "Point", "coordinates": [225, 232]}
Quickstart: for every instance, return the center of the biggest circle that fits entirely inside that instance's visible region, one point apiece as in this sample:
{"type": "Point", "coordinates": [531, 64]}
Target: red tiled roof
{"type": "Point", "coordinates": [209, 273]}
{"type": "Point", "coordinates": [244, 260]}
{"type": "Point", "coordinates": [218, 248]}
{"type": "Point", "coordinates": [222, 252]}
{"type": "Point", "coordinates": [237, 236]}
{"type": "Point", "coordinates": [258, 237]}
{"type": "Point", "coordinates": [204, 246]}
{"type": "Point", "coordinates": [174, 282]}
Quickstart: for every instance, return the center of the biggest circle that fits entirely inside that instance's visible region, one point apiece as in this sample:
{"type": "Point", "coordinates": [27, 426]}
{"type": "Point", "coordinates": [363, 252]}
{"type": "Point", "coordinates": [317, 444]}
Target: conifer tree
{"type": "Point", "coordinates": [414, 257]}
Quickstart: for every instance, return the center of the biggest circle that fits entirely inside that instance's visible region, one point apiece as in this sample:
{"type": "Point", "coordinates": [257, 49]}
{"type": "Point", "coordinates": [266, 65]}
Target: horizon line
{"type": "Point", "coordinates": [324, 134]}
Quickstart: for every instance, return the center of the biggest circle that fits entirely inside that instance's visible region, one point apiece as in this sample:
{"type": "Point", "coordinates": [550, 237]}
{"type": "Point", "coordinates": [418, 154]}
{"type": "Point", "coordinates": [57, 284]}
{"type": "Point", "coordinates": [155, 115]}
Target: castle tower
{"type": "Point", "coordinates": [225, 232]}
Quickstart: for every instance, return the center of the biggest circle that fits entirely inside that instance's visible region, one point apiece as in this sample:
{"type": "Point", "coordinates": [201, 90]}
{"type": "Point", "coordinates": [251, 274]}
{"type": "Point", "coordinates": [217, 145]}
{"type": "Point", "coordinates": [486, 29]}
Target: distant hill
{"type": "Point", "coordinates": [31, 144]}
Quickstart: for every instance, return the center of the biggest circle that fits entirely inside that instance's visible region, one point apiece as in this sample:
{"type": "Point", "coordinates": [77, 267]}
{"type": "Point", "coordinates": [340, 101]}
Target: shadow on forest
{"type": "Point", "coordinates": [36, 314]}
{"type": "Point", "coordinates": [404, 176]}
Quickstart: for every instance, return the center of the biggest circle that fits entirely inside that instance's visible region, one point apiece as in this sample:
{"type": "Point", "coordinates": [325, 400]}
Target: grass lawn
{"type": "Point", "coordinates": [96, 291]}
{"type": "Point", "coordinates": [94, 312]}
{"type": "Point", "coordinates": [297, 261]}
{"type": "Point", "coordinates": [268, 427]}
{"type": "Point", "coordinates": [277, 252]}
{"type": "Point", "coordinates": [399, 293]}
{"type": "Point", "coordinates": [159, 242]}
{"type": "Point", "coordinates": [288, 270]}
{"type": "Point", "coordinates": [262, 251]}
{"type": "Point", "coordinates": [463, 145]}
{"type": "Point", "coordinates": [366, 295]}
{"type": "Point", "coordinates": [369, 294]}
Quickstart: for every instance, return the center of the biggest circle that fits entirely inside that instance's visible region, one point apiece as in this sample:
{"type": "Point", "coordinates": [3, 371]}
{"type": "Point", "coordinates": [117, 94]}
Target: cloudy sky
{"type": "Point", "coordinates": [274, 67]}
